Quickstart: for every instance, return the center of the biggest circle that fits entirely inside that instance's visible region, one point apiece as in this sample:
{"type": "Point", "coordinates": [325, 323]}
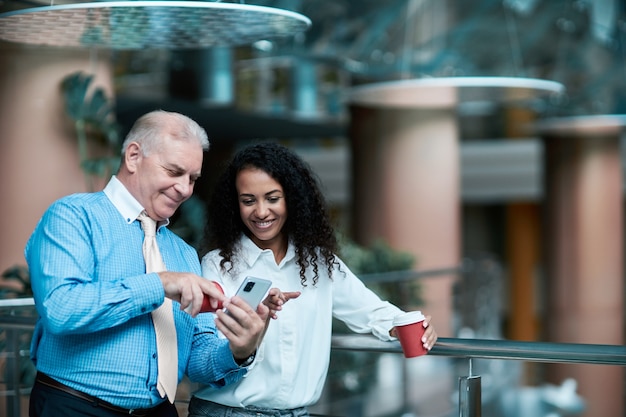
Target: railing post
{"type": "Point", "coordinates": [12, 373]}
{"type": "Point", "coordinates": [469, 395]}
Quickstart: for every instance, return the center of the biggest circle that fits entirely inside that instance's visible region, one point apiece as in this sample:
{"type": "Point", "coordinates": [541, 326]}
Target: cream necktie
{"type": "Point", "coordinates": [162, 317]}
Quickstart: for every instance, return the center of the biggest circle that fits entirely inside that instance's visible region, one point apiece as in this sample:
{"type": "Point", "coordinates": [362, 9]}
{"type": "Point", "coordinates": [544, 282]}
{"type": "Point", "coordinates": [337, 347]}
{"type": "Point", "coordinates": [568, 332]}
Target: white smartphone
{"type": "Point", "coordinates": [253, 290]}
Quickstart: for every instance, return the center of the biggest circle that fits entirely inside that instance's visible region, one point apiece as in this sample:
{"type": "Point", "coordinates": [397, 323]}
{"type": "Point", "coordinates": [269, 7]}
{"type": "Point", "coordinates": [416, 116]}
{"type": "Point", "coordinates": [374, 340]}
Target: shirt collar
{"type": "Point", "coordinates": [250, 252]}
{"type": "Point", "coordinates": [127, 205]}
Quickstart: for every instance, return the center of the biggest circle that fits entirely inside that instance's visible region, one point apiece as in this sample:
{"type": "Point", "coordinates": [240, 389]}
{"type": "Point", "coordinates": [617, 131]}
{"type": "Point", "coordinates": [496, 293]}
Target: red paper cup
{"type": "Point", "coordinates": [410, 329]}
{"type": "Point", "coordinates": [206, 302]}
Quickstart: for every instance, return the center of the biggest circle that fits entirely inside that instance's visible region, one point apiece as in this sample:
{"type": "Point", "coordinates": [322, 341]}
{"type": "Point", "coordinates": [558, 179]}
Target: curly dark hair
{"type": "Point", "coordinates": [308, 225]}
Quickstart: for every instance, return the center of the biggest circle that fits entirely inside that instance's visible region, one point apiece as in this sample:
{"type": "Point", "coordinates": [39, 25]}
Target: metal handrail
{"type": "Point", "coordinates": [410, 274]}
{"type": "Point", "coordinates": [469, 398]}
{"type": "Point", "coordinates": [470, 386]}
{"type": "Point", "coordinates": [17, 302]}
{"type": "Point", "coordinates": [451, 347]}
{"type": "Point", "coordinates": [497, 349]}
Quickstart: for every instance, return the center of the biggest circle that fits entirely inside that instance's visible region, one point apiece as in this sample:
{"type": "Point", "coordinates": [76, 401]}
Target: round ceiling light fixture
{"type": "Point", "coordinates": [448, 92]}
{"type": "Point", "coordinates": [130, 25]}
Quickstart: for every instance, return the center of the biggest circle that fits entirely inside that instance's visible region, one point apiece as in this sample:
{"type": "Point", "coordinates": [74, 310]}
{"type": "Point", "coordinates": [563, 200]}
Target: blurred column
{"type": "Point", "coordinates": [406, 191]}
{"type": "Point", "coordinates": [304, 88]}
{"type": "Point", "coordinates": [584, 249]}
{"type": "Point", "coordinates": [203, 75]}
{"type": "Point", "coordinates": [523, 249]}
{"type": "Point", "coordinates": [216, 82]}
{"type": "Point", "coordinates": [405, 154]}
{"type": "Point", "coordinates": [38, 150]}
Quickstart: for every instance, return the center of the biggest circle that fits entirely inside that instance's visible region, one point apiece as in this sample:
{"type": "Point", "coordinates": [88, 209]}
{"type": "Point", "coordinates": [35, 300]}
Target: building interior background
{"type": "Point", "coordinates": [524, 179]}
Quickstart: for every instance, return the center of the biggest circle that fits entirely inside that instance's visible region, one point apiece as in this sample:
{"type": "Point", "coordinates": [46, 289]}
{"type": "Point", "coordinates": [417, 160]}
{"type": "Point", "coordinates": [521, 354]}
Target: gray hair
{"type": "Point", "coordinates": [154, 127]}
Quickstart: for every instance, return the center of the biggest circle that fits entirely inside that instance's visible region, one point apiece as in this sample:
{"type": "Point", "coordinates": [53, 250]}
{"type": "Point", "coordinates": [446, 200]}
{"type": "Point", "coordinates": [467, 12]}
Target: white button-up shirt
{"type": "Point", "coordinates": [292, 362]}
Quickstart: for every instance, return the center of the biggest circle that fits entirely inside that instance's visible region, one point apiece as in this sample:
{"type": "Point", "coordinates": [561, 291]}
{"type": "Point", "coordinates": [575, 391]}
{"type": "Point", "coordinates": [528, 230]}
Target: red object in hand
{"type": "Point", "coordinates": [206, 302]}
{"type": "Point", "coordinates": [410, 329]}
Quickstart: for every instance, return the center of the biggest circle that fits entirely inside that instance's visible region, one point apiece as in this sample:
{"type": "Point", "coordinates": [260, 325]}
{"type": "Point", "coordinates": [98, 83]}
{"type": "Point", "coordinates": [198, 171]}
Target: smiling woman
{"type": "Point", "coordinates": [263, 210]}
{"type": "Point", "coordinates": [268, 218]}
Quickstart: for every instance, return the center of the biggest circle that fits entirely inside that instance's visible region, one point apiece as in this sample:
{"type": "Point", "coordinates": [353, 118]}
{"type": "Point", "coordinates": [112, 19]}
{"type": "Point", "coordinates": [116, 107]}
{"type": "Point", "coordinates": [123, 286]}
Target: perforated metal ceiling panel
{"type": "Point", "coordinates": [149, 24]}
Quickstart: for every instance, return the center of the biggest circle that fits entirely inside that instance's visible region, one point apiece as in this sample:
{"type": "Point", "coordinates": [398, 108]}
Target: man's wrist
{"type": "Point", "coordinates": [246, 361]}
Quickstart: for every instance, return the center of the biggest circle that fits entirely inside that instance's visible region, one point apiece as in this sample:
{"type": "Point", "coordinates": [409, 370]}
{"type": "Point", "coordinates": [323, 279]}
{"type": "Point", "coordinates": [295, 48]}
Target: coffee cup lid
{"type": "Point", "coordinates": [408, 318]}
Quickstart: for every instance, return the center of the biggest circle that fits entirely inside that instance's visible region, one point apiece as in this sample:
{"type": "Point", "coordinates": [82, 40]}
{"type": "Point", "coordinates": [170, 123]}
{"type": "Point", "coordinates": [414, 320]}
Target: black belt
{"type": "Point", "coordinates": [212, 408]}
{"type": "Point", "coordinates": [53, 383]}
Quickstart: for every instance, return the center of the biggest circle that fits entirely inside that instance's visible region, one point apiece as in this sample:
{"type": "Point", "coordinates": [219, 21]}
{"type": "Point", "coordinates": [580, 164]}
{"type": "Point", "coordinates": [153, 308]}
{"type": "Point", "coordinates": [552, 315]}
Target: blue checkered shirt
{"type": "Point", "coordinates": [94, 299]}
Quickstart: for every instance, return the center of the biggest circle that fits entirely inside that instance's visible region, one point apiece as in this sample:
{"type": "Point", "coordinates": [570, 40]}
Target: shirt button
{"type": "Point", "coordinates": [143, 309]}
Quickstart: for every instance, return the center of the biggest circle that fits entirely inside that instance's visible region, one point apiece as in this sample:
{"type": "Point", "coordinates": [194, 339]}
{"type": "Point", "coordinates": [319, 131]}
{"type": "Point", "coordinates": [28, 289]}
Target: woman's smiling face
{"type": "Point", "coordinates": [262, 207]}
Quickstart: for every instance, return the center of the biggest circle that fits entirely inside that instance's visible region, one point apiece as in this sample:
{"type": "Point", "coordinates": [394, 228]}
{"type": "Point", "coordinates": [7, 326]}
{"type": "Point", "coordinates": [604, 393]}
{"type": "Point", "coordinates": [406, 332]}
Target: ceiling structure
{"type": "Point", "coordinates": [297, 85]}
{"type": "Point", "coordinates": [134, 25]}
{"type": "Point", "coordinates": [581, 44]}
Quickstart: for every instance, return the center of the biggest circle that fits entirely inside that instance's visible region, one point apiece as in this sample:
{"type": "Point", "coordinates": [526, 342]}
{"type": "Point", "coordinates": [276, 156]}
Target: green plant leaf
{"type": "Point", "coordinates": [94, 121]}
{"type": "Point", "coordinates": [74, 88]}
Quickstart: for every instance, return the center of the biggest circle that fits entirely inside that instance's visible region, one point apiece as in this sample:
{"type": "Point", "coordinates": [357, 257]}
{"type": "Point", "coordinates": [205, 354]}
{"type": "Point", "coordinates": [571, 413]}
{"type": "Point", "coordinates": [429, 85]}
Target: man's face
{"type": "Point", "coordinates": [166, 177]}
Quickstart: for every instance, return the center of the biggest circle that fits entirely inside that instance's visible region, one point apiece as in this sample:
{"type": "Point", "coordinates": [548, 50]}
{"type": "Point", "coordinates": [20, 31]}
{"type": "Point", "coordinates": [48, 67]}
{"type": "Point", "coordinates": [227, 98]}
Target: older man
{"type": "Point", "coordinates": [104, 303]}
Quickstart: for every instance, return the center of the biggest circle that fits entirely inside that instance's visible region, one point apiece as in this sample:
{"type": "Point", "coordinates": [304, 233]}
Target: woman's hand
{"type": "Point", "coordinates": [430, 335]}
{"type": "Point", "coordinates": [276, 298]}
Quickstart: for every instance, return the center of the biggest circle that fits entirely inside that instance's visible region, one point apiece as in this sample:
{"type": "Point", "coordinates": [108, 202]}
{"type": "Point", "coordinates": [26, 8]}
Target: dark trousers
{"type": "Point", "coordinates": [46, 401]}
